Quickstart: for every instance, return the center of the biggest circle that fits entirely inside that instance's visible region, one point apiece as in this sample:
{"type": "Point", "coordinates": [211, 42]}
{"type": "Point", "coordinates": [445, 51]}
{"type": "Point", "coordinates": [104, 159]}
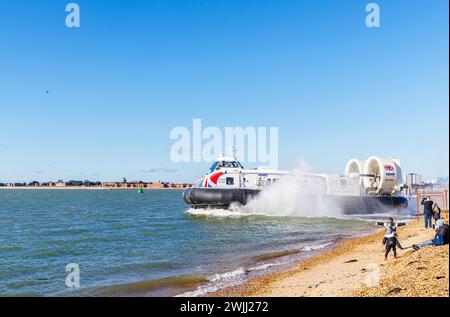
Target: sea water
{"type": "Point", "coordinates": [150, 244]}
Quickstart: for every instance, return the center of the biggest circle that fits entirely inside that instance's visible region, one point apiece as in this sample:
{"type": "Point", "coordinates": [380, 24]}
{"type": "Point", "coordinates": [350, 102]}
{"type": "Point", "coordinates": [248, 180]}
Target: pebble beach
{"type": "Point", "coordinates": [356, 268]}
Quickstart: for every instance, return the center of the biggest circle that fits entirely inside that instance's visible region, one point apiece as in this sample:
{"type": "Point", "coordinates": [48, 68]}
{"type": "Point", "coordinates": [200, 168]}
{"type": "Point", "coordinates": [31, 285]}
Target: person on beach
{"type": "Point", "coordinates": [440, 238]}
{"type": "Point", "coordinates": [390, 237]}
{"type": "Point", "coordinates": [436, 213]}
{"type": "Point", "coordinates": [427, 211]}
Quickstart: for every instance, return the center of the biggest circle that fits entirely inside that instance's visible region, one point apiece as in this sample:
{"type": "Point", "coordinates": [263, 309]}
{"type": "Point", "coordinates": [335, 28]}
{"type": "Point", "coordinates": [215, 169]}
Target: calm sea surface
{"type": "Point", "coordinates": [127, 243]}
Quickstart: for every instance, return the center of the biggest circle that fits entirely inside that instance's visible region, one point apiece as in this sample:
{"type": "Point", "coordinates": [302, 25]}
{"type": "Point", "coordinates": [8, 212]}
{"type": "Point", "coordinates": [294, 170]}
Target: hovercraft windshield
{"type": "Point", "coordinates": [224, 164]}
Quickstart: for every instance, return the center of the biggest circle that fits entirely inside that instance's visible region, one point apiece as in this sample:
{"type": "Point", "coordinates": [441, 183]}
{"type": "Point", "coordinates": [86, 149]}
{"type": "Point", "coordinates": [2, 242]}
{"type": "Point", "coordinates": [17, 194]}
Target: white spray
{"type": "Point", "coordinates": [296, 195]}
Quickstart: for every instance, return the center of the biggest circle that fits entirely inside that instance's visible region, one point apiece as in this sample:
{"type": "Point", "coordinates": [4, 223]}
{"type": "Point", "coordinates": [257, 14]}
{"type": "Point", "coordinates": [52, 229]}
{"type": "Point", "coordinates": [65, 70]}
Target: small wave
{"type": "Point", "coordinates": [153, 265]}
{"type": "Point", "coordinates": [276, 254]}
{"type": "Point", "coordinates": [309, 248]}
{"type": "Point", "coordinates": [199, 291]}
{"type": "Point", "coordinates": [263, 266]}
{"type": "Point", "coordinates": [26, 283]}
{"type": "Point", "coordinates": [10, 248]}
{"type": "Point", "coordinates": [306, 248]}
{"type": "Point", "coordinates": [218, 281]}
{"type": "Point", "coordinates": [118, 225]}
{"type": "Point", "coordinates": [226, 275]}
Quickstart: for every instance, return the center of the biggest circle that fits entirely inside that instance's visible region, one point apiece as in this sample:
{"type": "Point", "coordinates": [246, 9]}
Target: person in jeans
{"type": "Point", "coordinates": [427, 211]}
{"type": "Point", "coordinates": [441, 237]}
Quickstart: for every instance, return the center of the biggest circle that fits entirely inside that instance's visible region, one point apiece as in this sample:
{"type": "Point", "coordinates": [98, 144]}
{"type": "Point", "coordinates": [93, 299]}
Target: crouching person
{"type": "Point", "coordinates": [440, 238]}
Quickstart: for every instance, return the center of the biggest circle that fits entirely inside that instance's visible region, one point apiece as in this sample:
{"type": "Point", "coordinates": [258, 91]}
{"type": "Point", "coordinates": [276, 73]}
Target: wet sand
{"type": "Point", "coordinates": [356, 267]}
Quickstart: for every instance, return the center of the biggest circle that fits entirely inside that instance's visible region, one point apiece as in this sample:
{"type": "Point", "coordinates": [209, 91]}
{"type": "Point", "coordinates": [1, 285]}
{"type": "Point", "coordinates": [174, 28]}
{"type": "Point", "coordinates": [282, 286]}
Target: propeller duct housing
{"type": "Point", "coordinates": [382, 175]}
{"type": "Point", "coordinates": [354, 167]}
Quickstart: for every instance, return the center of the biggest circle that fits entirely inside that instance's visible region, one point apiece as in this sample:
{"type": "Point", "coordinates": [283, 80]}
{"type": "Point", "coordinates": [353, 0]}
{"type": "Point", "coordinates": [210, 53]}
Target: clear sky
{"type": "Point", "coordinates": [135, 69]}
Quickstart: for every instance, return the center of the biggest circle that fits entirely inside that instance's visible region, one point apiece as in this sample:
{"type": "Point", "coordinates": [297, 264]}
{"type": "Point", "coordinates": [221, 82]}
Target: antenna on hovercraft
{"type": "Point", "coordinates": [234, 150]}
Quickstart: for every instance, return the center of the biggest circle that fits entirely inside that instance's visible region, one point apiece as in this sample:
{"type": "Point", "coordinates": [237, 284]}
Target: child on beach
{"type": "Point", "coordinates": [390, 237]}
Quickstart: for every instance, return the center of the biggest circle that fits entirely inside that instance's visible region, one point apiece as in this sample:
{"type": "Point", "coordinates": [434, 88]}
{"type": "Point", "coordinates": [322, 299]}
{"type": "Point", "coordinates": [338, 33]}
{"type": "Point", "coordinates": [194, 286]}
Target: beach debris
{"type": "Point", "coordinates": [351, 261]}
{"type": "Point", "coordinates": [394, 291]}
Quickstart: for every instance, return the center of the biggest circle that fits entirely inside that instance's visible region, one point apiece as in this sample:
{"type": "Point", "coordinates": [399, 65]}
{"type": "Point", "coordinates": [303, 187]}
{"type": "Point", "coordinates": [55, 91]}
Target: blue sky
{"type": "Point", "coordinates": [136, 69]}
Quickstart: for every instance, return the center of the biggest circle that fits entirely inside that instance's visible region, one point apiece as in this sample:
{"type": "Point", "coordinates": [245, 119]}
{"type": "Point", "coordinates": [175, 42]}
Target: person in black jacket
{"type": "Point", "coordinates": [427, 211]}
{"type": "Point", "coordinates": [390, 237]}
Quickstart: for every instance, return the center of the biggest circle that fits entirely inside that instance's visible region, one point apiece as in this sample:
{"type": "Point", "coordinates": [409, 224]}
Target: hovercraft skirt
{"type": "Point", "coordinates": [223, 198]}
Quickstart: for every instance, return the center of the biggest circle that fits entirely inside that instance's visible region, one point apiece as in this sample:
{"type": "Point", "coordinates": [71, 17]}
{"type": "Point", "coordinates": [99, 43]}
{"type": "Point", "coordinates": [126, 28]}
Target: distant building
{"type": "Point", "coordinates": [60, 183]}
{"type": "Point", "coordinates": [157, 185]}
{"type": "Point", "coordinates": [109, 184]}
{"type": "Point", "coordinates": [181, 186]}
{"type": "Point", "coordinates": [413, 179]}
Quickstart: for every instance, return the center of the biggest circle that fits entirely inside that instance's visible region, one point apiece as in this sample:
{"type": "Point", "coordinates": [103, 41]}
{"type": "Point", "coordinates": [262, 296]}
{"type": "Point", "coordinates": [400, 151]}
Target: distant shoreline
{"type": "Point", "coordinates": [83, 188]}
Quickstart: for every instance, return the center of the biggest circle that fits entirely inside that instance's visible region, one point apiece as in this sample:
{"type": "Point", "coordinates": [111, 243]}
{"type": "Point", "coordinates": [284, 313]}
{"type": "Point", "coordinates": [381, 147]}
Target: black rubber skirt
{"type": "Point", "coordinates": [223, 198]}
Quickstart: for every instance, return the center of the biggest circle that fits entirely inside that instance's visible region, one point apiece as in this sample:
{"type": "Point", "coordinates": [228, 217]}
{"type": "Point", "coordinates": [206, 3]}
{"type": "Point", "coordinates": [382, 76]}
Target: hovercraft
{"type": "Point", "coordinates": [367, 186]}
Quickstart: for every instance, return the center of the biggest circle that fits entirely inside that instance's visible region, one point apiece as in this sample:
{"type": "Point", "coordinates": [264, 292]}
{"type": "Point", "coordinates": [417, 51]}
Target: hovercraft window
{"type": "Point", "coordinates": [232, 164]}
{"type": "Point", "coordinates": [235, 164]}
{"type": "Point", "coordinates": [230, 180]}
{"type": "Point", "coordinates": [213, 167]}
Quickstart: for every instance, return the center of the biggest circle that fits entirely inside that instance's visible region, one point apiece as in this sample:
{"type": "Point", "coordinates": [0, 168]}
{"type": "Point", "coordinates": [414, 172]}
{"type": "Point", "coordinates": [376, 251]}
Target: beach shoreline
{"type": "Point", "coordinates": [356, 267]}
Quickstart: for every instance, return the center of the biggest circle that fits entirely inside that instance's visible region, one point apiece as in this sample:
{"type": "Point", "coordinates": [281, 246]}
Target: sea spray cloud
{"type": "Point", "coordinates": [298, 194]}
